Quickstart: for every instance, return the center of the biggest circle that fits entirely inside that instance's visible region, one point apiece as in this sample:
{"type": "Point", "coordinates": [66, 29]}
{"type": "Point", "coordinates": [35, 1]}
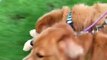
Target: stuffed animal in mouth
{"type": "Point", "coordinates": [28, 44]}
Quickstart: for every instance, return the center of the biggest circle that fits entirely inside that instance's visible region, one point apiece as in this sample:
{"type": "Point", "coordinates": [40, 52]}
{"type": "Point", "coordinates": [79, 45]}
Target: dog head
{"type": "Point", "coordinates": [60, 42]}
{"type": "Point", "coordinates": [52, 17]}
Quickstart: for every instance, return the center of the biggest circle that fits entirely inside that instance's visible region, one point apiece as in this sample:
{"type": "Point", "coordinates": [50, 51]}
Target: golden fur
{"type": "Point", "coordinates": [50, 43]}
{"type": "Point", "coordinates": [56, 37]}
{"type": "Point", "coordinates": [82, 16]}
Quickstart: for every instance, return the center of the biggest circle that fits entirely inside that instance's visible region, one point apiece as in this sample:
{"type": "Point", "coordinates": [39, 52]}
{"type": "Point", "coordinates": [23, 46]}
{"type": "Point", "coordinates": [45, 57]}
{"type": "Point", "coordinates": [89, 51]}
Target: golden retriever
{"type": "Point", "coordinates": [53, 41]}
{"type": "Point", "coordinates": [58, 41]}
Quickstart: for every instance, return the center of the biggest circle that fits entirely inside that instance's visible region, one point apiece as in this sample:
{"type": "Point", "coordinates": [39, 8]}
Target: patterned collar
{"type": "Point", "coordinates": [69, 20]}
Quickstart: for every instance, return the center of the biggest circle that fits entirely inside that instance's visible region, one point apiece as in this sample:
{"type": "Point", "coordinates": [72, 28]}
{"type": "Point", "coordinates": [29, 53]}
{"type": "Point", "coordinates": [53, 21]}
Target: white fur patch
{"type": "Point", "coordinates": [74, 50]}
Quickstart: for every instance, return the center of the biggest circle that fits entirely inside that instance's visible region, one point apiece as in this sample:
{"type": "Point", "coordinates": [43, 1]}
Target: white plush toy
{"type": "Point", "coordinates": [27, 45]}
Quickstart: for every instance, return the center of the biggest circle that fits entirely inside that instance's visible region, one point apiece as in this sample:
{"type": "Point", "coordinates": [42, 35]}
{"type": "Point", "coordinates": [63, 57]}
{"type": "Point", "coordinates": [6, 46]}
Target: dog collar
{"type": "Point", "coordinates": [69, 20]}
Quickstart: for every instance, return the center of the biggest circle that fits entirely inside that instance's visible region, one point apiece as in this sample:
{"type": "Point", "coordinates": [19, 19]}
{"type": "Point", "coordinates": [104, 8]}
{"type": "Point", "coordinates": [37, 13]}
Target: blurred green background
{"type": "Point", "coordinates": [17, 17]}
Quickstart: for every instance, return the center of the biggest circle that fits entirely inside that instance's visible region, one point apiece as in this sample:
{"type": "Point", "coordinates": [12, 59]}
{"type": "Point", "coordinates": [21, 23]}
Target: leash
{"type": "Point", "coordinates": [99, 27]}
{"type": "Point", "coordinates": [69, 20]}
{"type": "Point", "coordinates": [89, 29]}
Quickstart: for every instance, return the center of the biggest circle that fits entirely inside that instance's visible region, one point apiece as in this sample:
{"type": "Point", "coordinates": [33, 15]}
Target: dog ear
{"type": "Point", "coordinates": [77, 45]}
{"type": "Point", "coordinates": [48, 20]}
{"type": "Point", "coordinates": [71, 48]}
{"type": "Point", "coordinates": [51, 18]}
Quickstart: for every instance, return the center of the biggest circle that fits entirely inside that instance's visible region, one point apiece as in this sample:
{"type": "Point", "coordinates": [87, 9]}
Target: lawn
{"type": "Point", "coordinates": [17, 17]}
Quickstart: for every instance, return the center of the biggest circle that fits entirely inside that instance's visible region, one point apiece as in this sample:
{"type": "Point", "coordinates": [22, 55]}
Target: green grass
{"type": "Point", "coordinates": [17, 17]}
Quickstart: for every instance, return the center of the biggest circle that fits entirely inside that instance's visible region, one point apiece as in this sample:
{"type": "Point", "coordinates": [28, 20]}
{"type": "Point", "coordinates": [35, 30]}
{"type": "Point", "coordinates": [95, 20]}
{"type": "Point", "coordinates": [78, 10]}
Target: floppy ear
{"type": "Point", "coordinates": [51, 18]}
{"type": "Point", "coordinates": [76, 46]}
{"type": "Point", "coordinates": [48, 20]}
{"type": "Point", "coordinates": [71, 48]}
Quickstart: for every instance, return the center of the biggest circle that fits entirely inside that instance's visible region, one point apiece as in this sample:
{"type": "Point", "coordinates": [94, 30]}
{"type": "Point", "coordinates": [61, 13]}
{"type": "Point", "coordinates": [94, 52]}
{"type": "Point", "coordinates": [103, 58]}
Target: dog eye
{"type": "Point", "coordinates": [39, 55]}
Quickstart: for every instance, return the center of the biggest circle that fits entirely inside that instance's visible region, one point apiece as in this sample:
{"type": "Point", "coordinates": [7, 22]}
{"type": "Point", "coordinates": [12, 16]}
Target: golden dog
{"type": "Point", "coordinates": [58, 41]}
{"type": "Point", "coordinates": [53, 41]}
